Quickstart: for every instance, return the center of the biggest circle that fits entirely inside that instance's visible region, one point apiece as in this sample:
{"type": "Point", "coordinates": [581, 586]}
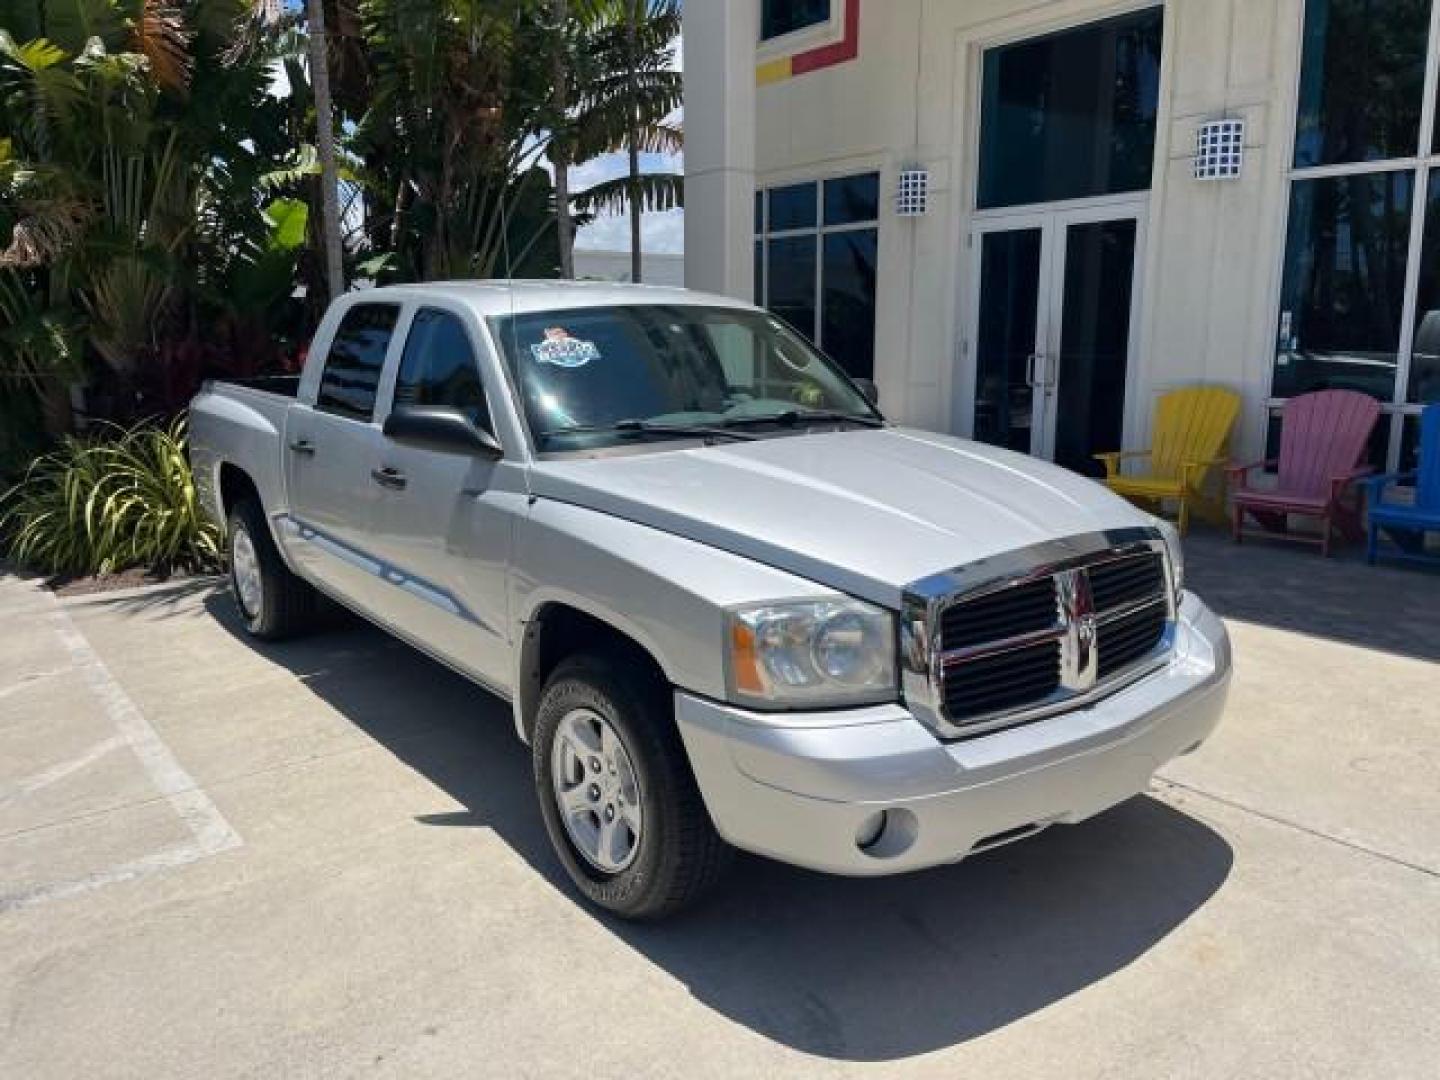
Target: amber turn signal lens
{"type": "Point", "coordinates": [743, 661]}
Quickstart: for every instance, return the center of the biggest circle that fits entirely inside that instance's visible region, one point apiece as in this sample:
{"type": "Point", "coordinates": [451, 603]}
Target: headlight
{"type": "Point", "coordinates": [811, 653]}
{"type": "Point", "coordinates": [1175, 550]}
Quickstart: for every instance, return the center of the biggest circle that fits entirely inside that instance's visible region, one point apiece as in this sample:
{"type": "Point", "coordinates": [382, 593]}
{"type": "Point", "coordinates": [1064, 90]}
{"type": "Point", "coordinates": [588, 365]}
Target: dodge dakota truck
{"type": "Point", "coordinates": [731, 605]}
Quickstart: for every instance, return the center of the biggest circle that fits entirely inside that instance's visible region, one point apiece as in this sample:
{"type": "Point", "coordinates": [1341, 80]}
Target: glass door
{"type": "Point", "coordinates": [1054, 310]}
{"type": "Point", "coordinates": [1085, 387]}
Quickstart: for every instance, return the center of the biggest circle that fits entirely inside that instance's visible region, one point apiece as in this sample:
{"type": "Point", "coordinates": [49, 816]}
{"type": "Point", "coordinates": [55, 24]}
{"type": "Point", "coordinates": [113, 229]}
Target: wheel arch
{"type": "Point", "coordinates": [556, 629]}
{"type": "Point", "coordinates": [234, 484]}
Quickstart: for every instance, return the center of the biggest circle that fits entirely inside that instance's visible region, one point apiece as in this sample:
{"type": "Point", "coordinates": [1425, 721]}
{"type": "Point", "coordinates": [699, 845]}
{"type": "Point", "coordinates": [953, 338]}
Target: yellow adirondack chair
{"type": "Point", "coordinates": [1192, 430]}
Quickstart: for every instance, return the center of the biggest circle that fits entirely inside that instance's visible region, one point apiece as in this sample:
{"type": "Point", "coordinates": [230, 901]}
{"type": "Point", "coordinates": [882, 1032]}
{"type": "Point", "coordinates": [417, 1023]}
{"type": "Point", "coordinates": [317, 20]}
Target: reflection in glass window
{"type": "Point", "coordinates": [438, 367]}
{"type": "Point", "coordinates": [1341, 301]}
{"type": "Point", "coordinates": [848, 333]}
{"type": "Point", "coordinates": [790, 270]}
{"type": "Point", "coordinates": [852, 198]}
{"type": "Point", "coordinates": [816, 251]}
{"type": "Point", "coordinates": [356, 358]}
{"type": "Point", "coordinates": [1424, 385]}
{"type": "Point", "coordinates": [1410, 445]}
{"type": "Point", "coordinates": [1009, 302]}
{"type": "Point", "coordinates": [786, 16]}
{"type": "Point", "coordinates": [1362, 80]}
{"type": "Point", "coordinates": [1072, 114]}
{"type": "Point", "coordinates": [792, 207]}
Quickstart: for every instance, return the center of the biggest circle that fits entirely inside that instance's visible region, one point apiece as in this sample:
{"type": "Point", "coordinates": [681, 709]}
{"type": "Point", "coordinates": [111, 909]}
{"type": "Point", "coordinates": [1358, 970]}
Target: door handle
{"type": "Point", "coordinates": [388, 477]}
{"type": "Point", "coordinates": [303, 446]}
{"type": "Point", "coordinates": [1031, 362]}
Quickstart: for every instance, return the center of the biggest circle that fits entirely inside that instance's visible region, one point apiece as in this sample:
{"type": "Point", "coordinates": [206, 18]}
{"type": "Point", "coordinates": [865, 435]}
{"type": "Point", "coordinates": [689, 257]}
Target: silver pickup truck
{"type": "Point", "coordinates": [731, 605]}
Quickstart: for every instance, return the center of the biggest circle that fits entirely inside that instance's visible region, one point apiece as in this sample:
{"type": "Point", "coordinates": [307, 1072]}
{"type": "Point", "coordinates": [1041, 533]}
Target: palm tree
{"type": "Point", "coordinates": [452, 134]}
{"type": "Point", "coordinates": [560, 71]}
{"type": "Point", "coordinates": [325, 142]}
{"type": "Point", "coordinates": [632, 90]}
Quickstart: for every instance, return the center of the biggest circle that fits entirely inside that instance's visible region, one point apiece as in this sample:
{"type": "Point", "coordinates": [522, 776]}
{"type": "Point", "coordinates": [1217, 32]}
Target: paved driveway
{"type": "Point", "coordinates": [324, 859]}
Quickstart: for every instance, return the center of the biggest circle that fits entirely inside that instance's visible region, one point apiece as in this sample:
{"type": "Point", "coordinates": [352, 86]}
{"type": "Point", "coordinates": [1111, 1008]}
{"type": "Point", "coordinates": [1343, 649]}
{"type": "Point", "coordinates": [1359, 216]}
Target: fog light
{"type": "Point", "coordinates": [871, 830]}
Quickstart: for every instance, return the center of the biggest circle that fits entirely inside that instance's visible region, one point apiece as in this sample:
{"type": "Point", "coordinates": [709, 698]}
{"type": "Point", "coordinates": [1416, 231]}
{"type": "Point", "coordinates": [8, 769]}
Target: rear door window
{"type": "Point", "coordinates": [351, 378]}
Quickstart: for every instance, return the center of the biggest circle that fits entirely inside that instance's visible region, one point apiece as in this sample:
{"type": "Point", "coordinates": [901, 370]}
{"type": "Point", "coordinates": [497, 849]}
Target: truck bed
{"type": "Point", "coordinates": [282, 385]}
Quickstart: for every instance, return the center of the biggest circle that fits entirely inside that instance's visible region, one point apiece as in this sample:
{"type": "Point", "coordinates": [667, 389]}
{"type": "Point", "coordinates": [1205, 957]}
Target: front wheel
{"type": "Point", "coordinates": [619, 799]}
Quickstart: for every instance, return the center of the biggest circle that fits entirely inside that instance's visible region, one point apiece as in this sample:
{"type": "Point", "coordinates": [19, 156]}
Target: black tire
{"type": "Point", "coordinates": [286, 604]}
{"type": "Point", "coordinates": [680, 856]}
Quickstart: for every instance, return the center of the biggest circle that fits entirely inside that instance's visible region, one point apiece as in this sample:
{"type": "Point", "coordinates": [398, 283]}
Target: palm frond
{"type": "Point", "coordinates": [656, 191]}
{"type": "Point", "coordinates": [159, 33]}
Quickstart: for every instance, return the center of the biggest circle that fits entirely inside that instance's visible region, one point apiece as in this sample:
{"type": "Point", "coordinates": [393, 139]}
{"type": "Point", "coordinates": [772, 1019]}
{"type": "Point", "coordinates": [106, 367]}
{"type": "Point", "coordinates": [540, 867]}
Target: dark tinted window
{"type": "Point", "coordinates": [356, 358]}
{"type": "Point", "coordinates": [1344, 284]}
{"type": "Point", "coordinates": [438, 367]}
{"type": "Point", "coordinates": [784, 16]}
{"type": "Point", "coordinates": [790, 273]}
{"type": "Point", "coordinates": [848, 333]}
{"type": "Point", "coordinates": [1425, 358]}
{"type": "Point", "coordinates": [1362, 80]}
{"type": "Point", "coordinates": [792, 207]}
{"type": "Point", "coordinates": [852, 199]}
{"type": "Point", "coordinates": [1071, 115]}
{"type": "Point", "coordinates": [681, 366]}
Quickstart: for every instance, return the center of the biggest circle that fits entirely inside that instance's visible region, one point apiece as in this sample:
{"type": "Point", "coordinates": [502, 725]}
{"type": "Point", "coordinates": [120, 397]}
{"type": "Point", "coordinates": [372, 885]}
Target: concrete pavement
{"type": "Point", "coordinates": [324, 858]}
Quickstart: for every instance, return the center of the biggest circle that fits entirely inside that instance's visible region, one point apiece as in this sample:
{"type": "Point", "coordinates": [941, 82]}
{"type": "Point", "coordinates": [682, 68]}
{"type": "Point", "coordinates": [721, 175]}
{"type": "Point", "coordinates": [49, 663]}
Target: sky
{"type": "Point", "coordinates": [663, 233]}
{"type": "Point", "coordinates": [659, 232]}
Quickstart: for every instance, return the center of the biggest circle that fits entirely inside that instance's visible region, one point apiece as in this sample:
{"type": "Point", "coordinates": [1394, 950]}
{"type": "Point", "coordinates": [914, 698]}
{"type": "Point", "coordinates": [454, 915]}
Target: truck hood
{"type": "Point", "coordinates": [865, 512]}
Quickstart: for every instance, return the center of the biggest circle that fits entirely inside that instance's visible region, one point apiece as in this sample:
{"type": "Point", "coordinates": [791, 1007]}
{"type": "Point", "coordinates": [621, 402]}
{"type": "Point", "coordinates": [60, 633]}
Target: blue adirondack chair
{"type": "Point", "coordinates": [1407, 525]}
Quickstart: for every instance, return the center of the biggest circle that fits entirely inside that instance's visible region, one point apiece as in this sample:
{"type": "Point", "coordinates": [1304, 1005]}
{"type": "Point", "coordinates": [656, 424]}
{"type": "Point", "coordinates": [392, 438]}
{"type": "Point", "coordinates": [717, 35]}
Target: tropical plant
{"type": "Point", "coordinates": [133, 139]}
{"type": "Point", "coordinates": [631, 91]}
{"type": "Point", "coordinates": [100, 505]}
{"type": "Point", "coordinates": [450, 139]}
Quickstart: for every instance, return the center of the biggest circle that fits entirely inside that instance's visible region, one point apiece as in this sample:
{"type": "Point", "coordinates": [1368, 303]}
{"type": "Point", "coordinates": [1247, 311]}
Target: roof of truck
{"type": "Point", "coordinates": [502, 297]}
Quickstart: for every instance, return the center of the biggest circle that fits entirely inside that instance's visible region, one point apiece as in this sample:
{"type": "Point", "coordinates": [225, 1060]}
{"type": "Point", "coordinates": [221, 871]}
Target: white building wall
{"type": "Point", "coordinates": [1210, 271]}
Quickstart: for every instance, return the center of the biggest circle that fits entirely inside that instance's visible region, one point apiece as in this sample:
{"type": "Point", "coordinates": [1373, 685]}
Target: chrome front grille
{"type": "Point", "coordinates": [1023, 642]}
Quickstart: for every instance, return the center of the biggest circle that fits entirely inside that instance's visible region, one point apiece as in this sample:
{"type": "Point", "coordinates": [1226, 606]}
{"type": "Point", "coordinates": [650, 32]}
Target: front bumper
{"type": "Point", "coordinates": [803, 787]}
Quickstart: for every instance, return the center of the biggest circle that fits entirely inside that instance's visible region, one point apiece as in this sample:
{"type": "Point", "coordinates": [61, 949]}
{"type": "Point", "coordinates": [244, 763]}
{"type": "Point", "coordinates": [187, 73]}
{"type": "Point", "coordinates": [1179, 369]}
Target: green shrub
{"type": "Point", "coordinates": [95, 506]}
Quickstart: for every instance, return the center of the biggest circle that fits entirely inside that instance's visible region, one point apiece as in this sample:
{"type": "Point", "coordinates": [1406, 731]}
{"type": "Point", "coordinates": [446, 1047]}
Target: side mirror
{"type": "Point", "coordinates": [869, 389]}
{"type": "Point", "coordinates": [448, 431]}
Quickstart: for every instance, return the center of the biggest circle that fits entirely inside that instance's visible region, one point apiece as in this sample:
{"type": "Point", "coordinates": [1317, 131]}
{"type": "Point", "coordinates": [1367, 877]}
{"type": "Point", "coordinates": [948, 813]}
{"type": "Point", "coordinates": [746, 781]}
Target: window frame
{"type": "Point", "coordinates": [392, 383]}
{"type": "Point", "coordinates": [816, 35]}
{"type": "Point", "coordinates": [1422, 166]}
{"type": "Point", "coordinates": [819, 231]}
{"type": "Point", "coordinates": [384, 384]}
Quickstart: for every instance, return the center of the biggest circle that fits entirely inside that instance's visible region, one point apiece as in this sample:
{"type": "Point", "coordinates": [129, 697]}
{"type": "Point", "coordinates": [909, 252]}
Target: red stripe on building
{"type": "Point", "coordinates": [847, 48]}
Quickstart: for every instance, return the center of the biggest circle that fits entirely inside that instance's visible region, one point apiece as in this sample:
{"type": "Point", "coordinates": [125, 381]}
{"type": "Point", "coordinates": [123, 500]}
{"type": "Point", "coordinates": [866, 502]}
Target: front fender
{"type": "Point", "coordinates": [666, 593]}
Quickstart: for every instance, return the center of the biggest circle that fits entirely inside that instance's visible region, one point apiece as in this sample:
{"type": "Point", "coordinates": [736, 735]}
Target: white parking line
{"type": "Point", "coordinates": [212, 833]}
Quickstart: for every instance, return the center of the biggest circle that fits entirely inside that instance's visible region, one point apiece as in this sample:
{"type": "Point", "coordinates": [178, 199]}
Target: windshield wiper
{"type": "Point", "coordinates": [793, 417]}
{"type": "Point", "coordinates": [651, 427]}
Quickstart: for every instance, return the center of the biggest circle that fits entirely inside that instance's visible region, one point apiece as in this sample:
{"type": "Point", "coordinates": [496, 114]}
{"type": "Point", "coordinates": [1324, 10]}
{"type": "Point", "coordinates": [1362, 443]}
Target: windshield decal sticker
{"type": "Point", "coordinates": [562, 350]}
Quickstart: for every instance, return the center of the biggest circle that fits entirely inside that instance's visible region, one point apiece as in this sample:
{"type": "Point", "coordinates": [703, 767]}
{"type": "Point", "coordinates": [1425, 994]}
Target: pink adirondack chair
{"type": "Point", "coordinates": [1322, 442]}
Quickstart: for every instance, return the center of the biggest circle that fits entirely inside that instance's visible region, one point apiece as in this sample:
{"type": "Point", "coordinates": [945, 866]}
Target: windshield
{"type": "Point", "coordinates": [607, 376]}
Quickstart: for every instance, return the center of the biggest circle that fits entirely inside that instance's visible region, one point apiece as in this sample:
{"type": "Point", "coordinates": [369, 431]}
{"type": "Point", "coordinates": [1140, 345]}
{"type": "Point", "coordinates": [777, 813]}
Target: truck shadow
{"type": "Point", "coordinates": [849, 970]}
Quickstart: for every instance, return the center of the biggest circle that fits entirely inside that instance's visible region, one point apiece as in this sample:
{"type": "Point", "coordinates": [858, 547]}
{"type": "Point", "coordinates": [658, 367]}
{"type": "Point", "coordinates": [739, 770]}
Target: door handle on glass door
{"type": "Point", "coordinates": [1033, 361]}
